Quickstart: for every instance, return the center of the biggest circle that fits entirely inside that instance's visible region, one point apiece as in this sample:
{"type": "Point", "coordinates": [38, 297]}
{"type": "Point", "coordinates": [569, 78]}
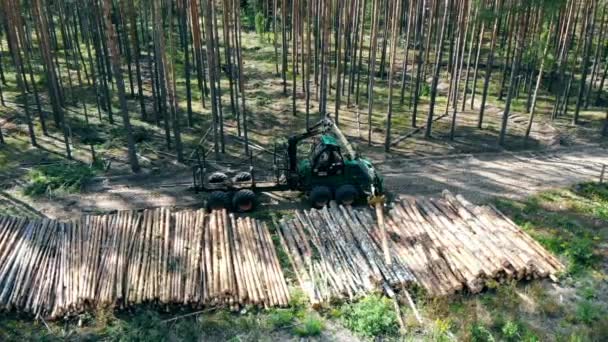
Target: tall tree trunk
{"type": "Point", "coordinates": [474, 25]}
{"type": "Point", "coordinates": [410, 19]}
{"type": "Point", "coordinates": [538, 82]}
{"type": "Point", "coordinates": [13, 13]}
{"type": "Point", "coordinates": [169, 67]}
{"type": "Point", "coordinates": [338, 61]}
{"type": "Point", "coordinates": [120, 86]}
{"type": "Point", "coordinates": [597, 56]}
{"type": "Point", "coordinates": [419, 60]}
{"type": "Point", "coordinates": [211, 65]}
{"type": "Point", "coordinates": [461, 48]}
{"type": "Point", "coordinates": [136, 56]}
{"type": "Point", "coordinates": [372, 70]}
{"type": "Point", "coordinates": [393, 51]}
{"type": "Point", "coordinates": [514, 72]}
{"type": "Point", "coordinates": [490, 61]}
{"type": "Point", "coordinates": [284, 45]}
{"type": "Point", "coordinates": [241, 72]}
{"type": "Point", "coordinates": [585, 67]}
{"type": "Point", "coordinates": [294, 54]}
{"type": "Point", "coordinates": [437, 68]}
{"type": "Point", "coordinates": [51, 77]}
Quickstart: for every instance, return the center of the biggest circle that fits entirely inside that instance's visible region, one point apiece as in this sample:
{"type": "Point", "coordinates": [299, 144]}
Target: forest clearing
{"type": "Point", "coordinates": [128, 128]}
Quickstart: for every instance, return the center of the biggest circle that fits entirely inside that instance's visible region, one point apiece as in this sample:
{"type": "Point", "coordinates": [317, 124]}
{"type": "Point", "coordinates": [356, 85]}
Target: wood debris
{"type": "Point", "coordinates": [53, 269]}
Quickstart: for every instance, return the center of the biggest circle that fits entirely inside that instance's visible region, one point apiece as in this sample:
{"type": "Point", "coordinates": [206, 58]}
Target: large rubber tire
{"type": "Point", "coordinates": [217, 177]}
{"type": "Point", "coordinates": [320, 196]}
{"type": "Point", "coordinates": [242, 177]}
{"type": "Point", "coordinates": [218, 200]}
{"type": "Point", "coordinates": [346, 194]}
{"type": "Point", "coordinates": [244, 201]}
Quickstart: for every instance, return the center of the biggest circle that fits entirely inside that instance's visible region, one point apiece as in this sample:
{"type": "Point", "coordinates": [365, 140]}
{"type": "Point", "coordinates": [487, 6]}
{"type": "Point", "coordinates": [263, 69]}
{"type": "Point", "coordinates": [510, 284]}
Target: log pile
{"type": "Point", "coordinates": [450, 244]}
{"type": "Point", "coordinates": [53, 269]}
{"type": "Point", "coordinates": [336, 254]}
{"type": "Point", "coordinates": [444, 245]}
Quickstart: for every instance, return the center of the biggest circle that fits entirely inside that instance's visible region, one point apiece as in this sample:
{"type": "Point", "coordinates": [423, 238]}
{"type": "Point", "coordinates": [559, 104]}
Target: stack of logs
{"type": "Point", "coordinates": [446, 245]}
{"type": "Point", "coordinates": [450, 244]}
{"type": "Point", "coordinates": [336, 254]}
{"type": "Point", "coordinates": [52, 268]}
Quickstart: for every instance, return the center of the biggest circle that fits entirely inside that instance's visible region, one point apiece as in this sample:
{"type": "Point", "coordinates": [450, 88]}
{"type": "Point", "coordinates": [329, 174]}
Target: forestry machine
{"type": "Point", "coordinates": [332, 170]}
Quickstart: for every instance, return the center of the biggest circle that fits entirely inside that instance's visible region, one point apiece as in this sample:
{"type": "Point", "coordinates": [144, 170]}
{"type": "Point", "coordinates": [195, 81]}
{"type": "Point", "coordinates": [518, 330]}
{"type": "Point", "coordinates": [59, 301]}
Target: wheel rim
{"type": "Point", "coordinates": [321, 203]}
{"type": "Point", "coordinates": [348, 201]}
{"type": "Point", "coordinates": [245, 206]}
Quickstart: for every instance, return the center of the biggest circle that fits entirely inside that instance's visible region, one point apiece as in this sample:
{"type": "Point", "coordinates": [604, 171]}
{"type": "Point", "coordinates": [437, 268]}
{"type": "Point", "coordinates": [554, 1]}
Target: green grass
{"type": "Point", "coordinates": [571, 223]}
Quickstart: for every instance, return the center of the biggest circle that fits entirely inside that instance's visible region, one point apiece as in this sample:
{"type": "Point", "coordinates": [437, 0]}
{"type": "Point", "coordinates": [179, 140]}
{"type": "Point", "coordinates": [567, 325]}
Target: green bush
{"type": "Point", "coordinates": [598, 194]}
{"type": "Point", "coordinates": [595, 191]}
{"type": "Point", "coordinates": [280, 318]}
{"type": "Point", "coordinates": [426, 90]}
{"type": "Point", "coordinates": [511, 331]}
{"type": "Point", "coordinates": [587, 312]}
{"type": "Point", "coordinates": [145, 326]}
{"type": "Point", "coordinates": [479, 333]}
{"type": "Point", "coordinates": [580, 251]}
{"type": "Point", "coordinates": [310, 326]}
{"type": "Point", "coordinates": [66, 177]}
{"type": "Point", "coordinates": [372, 316]}
{"type": "Point", "coordinates": [260, 24]}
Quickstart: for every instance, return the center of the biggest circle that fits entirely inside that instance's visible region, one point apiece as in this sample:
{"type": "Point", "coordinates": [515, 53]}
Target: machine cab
{"type": "Point", "coordinates": [326, 158]}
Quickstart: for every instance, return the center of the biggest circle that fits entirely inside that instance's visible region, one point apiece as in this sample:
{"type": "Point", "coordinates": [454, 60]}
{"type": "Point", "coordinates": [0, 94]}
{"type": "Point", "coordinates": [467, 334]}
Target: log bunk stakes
{"type": "Point", "coordinates": [444, 245]}
{"type": "Point", "coordinates": [53, 269]}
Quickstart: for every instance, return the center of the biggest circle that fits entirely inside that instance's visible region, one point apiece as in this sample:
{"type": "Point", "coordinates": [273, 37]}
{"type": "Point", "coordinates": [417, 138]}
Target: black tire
{"type": "Point", "coordinates": [346, 194]}
{"type": "Point", "coordinates": [217, 200]}
{"type": "Point", "coordinates": [320, 196]}
{"type": "Point", "coordinates": [244, 201]}
{"type": "Point", "coordinates": [242, 177]}
{"type": "Point", "coordinates": [217, 177]}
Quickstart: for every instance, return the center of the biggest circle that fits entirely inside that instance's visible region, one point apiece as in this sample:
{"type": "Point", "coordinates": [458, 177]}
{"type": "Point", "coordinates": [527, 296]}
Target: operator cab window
{"type": "Point", "coordinates": [327, 160]}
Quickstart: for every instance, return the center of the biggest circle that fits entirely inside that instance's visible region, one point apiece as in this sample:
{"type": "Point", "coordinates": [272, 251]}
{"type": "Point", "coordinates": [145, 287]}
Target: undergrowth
{"type": "Point", "coordinates": [65, 177]}
{"type": "Point", "coordinates": [370, 317]}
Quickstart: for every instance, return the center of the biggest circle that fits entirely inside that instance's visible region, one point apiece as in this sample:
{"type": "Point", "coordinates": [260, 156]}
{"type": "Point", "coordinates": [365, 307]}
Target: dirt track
{"type": "Point", "coordinates": [483, 176]}
{"type": "Point", "coordinates": [478, 177]}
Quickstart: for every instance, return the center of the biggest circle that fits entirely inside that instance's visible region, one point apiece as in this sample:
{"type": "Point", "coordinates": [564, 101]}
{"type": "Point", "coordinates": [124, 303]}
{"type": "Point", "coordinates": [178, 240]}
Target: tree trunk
{"type": "Point", "coordinates": [136, 56]}
{"type": "Point", "coordinates": [372, 70]}
{"type": "Point", "coordinates": [212, 73]}
{"type": "Point", "coordinates": [120, 86]}
{"type": "Point", "coordinates": [585, 69]}
{"type": "Point", "coordinates": [393, 51]}
{"type": "Point", "coordinates": [419, 61]}
{"type": "Point", "coordinates": [538, 82]}
{"type": "Point", "coordinates": [437, 68]}
{"type": "Point", "coordinates": [490, 61]}
{"type": "Point", "coordinates": [13, 13]}
{"type": "Point", "coordinates": [51, 77]}
{"type": "Point", "coordinates": [514, 72]}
